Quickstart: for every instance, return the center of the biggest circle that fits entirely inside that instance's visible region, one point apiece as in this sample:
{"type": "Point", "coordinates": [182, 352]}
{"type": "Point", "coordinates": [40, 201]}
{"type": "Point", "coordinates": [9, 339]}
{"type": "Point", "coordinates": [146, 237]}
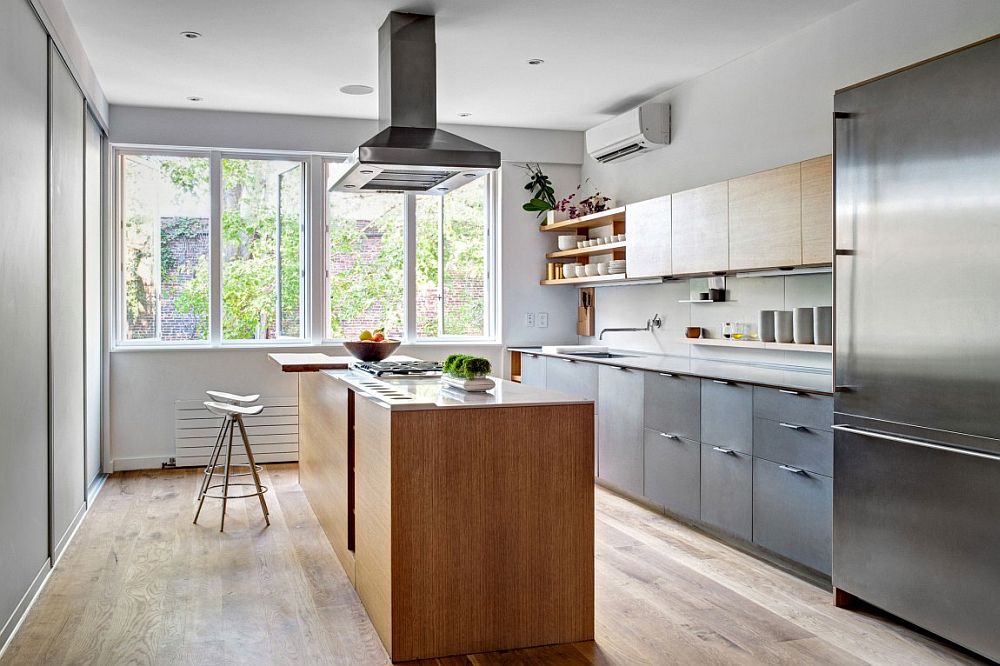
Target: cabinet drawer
{"type": "Point", "coordinates": [727, 490]}
{"type": "Point", "coordinates": [793, 514]}
{"type": "Point", "coordinates": [673, 404]}
{"type": "Point", "coordinates": [672, 473]}
{"type": "Point", "coordinates": [727, 414]}
{"type": "Point", "coordinates": [802, 446]}
{"type": "Point", "coordinates": [571, 377]}
{"type": "Point", "coordinates": [806, 409]}
{"type": "Point", "coordinates": [532, 370]}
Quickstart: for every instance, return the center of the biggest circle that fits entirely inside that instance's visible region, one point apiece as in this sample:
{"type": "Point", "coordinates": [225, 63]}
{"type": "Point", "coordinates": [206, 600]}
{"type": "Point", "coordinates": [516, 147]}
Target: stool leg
{"type": "Point", "coordinates": [253, 469]}
{"type": "Point", "coordinates": [225, 487]}
{"type": "Point", "coordinates": [212, 462]}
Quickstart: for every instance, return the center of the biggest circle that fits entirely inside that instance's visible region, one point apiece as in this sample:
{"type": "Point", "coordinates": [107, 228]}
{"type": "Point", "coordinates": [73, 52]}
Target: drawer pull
{"type": "Point", "coordinates": [666, 374]}
{"type": "Point", "coordinates": [789, 392]}
{"type": "Point", "coordinates": [793, 470]}
{"type": "Point", "coordinates": [793, 426]}
{"type": "Point", "coordinates": [669, 435]}
{"type": "Point", "coordinates": [722, 381]}
{"type": "Point", "coordinates": [569, 360]}
{"type": "Point", "coordinates": [622, 368]}
{"type": "Point", "coordinates": [721, 449]}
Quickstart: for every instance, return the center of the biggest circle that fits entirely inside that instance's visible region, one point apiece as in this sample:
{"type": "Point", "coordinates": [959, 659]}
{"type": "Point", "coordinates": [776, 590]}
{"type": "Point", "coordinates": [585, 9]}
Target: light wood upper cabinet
{"type": "Point", "coordinates": [817, 210]}
{"type": "Point", "coordinates": [647, 236]}
{"type": "Point", "coordinates": [700, 229]}
{"type": "Point", "coordinates": [765, 219]}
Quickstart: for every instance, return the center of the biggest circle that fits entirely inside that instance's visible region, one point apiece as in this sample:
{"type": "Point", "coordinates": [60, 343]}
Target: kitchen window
{"type": "Point", "coordinates": [213, 249]}
{"type": "Point", "coordinates": [417, 265]}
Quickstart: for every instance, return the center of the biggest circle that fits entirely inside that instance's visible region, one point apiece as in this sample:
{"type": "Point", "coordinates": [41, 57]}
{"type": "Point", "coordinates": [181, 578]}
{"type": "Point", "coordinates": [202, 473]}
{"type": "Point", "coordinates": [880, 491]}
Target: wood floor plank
{"type": "Point", "coordinates": [141, 584]}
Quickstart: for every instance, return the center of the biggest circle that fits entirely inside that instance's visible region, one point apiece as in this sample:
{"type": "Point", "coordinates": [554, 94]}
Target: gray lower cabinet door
{"type": "Point", "coordinates": [673, 404]}
{"type": "Point", "coordinates": [727, 490]}
{"type": "Point", "coordinates": [793, 513]}
{"type": "Point", "coordinates": [532, 370]}
{"type": "Point", "coordinates": [571, 377]}
{"type": "Point", "coordinates": [620, 443]}
{"type": "Point", "coordinates": [672, 473]}
{"type": "Point", "coordinates": [727, 414]}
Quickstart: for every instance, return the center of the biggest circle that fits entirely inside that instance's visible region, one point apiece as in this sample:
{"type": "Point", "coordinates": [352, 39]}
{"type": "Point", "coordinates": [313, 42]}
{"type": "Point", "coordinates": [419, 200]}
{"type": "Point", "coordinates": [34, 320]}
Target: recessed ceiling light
{"type": "Point", "coordinates": [464, 114]}
{"type": "Point", "coordinates": [191, 34]}
{"type": "Point", "coordinates": [470, 175]}
{"type": "Point", "coordinates": [535, 61]}
{"type": "Point", "coordinates": [357, 89]}
{"type": "Point", "coordinates": [195, 99]}
{"type": "Point", "coordinates": [443, 189]}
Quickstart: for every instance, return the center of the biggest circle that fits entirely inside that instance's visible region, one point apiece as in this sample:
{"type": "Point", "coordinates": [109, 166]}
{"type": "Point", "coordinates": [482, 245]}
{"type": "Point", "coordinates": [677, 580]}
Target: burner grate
{"type": "Point", "coordinates": [396, 368]}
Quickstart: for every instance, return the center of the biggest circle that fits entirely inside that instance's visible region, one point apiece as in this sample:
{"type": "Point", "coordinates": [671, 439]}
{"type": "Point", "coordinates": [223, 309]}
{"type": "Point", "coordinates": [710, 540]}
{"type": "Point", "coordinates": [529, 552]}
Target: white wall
{"type": "Point", "coordinates": [145, 383]}
{"type": "Point", "coordinates": [769, 108]}
{"type": "Point", "coordinates": [774, 106]}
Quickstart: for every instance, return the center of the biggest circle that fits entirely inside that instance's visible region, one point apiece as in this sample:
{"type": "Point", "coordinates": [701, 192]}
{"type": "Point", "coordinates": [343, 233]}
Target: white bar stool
{"type": "Point", "coordinates": [232, 413]}
{"type": "Point", "coordinates": [230, 399]}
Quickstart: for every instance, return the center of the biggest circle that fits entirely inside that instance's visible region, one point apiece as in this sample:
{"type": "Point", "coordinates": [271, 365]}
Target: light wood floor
{"type": "Point", "coordinates": [141, 585]}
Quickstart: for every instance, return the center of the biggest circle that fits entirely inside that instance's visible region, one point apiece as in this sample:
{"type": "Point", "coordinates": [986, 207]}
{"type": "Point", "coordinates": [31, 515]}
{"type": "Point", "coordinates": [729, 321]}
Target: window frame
{"type": "Point", "coordinates": [410, 334]}
{"type": "Point", "coordinates": [314, 283]}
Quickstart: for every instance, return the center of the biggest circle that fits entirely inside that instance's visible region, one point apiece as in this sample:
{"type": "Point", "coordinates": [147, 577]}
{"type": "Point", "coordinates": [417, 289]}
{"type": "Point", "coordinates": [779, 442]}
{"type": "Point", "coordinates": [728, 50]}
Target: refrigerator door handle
{"type": "Point", "coordinates": [915, 442]}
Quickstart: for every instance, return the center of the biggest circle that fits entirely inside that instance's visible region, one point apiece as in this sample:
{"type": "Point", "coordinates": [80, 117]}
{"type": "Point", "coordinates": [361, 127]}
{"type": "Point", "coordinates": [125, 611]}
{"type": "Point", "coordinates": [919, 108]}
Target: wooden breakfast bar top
{"type": "Point", "coordinates": [464, 530]}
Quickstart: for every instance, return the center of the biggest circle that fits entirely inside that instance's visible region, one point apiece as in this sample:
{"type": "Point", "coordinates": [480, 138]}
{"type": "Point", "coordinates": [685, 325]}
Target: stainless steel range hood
{"type": "Point", "coordinates": [410, 154]}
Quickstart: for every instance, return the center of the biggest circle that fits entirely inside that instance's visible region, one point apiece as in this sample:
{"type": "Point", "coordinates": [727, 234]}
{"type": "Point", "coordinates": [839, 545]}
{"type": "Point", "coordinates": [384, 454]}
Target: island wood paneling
{"type": "Point", "coordinates": [817, 210]}
{"type": "Point", "coordinates": [492, 528]}
{"type": "Point", "coordinates": [765, 219]}
{"type": "Point", "coordinates": [324, 459]}
{"type": "Point", "coordinates": [700, 229]}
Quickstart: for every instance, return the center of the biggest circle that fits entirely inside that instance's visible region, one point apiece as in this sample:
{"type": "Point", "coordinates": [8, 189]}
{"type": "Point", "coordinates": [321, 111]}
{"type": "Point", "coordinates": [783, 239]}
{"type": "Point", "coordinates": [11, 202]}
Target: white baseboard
{"type": "Point", "coordinates": [139, 462]}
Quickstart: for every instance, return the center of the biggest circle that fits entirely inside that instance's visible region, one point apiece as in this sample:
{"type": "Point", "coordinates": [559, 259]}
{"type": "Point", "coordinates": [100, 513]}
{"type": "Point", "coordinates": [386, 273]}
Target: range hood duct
{"type": "Point", "coordinates": [410, 154]}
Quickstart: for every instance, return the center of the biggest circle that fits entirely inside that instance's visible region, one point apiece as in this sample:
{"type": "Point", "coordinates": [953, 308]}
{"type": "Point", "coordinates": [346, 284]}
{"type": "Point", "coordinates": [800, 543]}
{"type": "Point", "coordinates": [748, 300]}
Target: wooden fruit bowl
{"type": "Point", "coordinates": [370, 351]}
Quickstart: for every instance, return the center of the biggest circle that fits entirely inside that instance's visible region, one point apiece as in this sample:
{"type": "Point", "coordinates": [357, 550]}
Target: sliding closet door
{"type": "Point", "coordinates": [24, 501]}
{"type": "Point", "coordinates": [66, 325]}
{"type": "Point", "coordinates": [92, 303]}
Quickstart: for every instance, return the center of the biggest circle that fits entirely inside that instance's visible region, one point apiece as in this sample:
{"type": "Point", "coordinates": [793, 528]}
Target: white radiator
{"type": "Point", "coordinates": [274, 434]}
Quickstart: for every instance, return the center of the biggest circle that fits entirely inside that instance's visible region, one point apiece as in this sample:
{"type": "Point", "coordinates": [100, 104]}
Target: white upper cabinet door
{"type": "Point", "coordinates": [817, 210]}
{"type": "Point", "coordinates": [647, 238]}
{"type": "Point", "coordinates": [700, 223]}
{"type": "Point", "coordinates": [765, 219]}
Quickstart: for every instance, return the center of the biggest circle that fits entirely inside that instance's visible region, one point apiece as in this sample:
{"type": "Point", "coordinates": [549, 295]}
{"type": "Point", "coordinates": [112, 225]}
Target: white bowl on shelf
{"type": "Point", "coordinates": [590, 270]}
{"type": "Point", "coordinates": [620, 238]}
{"type": "Point", "coordinates": [570, 270]}
{"type": "Point", "coordinates": [568, 242]}
{"type": "Point", "coordinates": [581, 244]}
{"type": "Point", "coordinates": [602, 268]}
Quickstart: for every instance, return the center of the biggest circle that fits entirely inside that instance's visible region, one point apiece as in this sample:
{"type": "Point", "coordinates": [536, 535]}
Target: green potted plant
{"type": "Point", "coordinates": [468, 373]}
{"type": "Point", "coordinates": [543, 196]}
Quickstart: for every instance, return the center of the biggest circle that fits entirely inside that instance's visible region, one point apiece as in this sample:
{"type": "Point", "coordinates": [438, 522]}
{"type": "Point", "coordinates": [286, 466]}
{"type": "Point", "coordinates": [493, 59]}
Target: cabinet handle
{"type": "Point", "coordinates": [569, 360]}
{"type": "Point", "coordinates": [789, 392]}
{"type": "Point", "coordinates": [723, 382]}
{"type": "Point", "coordinates": [793, 470]}
{"type": "Point", "coordinates": [793, 426]}
{"type": "Point", "coordinates": [669, 435]}
{"type": "Point", "coordinates": [720, 449]}
{"type": "Point", "coordinates": [622, 368]}
{"type": "Point", "coordinates": [665, 374]}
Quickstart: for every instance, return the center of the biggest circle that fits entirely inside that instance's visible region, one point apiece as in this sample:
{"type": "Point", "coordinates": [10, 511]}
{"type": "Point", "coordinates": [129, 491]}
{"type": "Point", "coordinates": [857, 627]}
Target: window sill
{"type": "Point", "coordinates": [293, 346]}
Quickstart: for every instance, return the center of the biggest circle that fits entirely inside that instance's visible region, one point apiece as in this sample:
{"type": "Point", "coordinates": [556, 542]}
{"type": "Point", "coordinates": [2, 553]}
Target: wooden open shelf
{"type": "Point", "coordinates": [602, 219]}
{"type": "Point", "coordinates": [607, 248]}
{"type": "Point", "coordinates": [757, 344]}
{"type": "Point", "coordinates": [593, 279]}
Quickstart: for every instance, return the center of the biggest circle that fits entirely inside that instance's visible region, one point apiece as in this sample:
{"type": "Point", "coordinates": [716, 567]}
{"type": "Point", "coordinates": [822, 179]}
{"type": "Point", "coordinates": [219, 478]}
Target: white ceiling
{"type": "Point", "coordinates": [292, 56]}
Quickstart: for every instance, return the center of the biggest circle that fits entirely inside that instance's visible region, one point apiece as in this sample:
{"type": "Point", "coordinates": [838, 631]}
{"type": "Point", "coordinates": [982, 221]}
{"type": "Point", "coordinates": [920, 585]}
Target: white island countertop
{"type": "Point", "coordinates": [424, 393]}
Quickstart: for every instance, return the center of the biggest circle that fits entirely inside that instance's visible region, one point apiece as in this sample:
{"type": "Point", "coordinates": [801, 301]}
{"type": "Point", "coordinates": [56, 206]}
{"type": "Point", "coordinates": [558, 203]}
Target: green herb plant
{"type": "Point", "coordinates": [543, 196]}
{"type": "Point", "coordinates": [467, 367]}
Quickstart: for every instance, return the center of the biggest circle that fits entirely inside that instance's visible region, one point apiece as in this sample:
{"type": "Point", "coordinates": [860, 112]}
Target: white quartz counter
{"type": "Point", "coordinates": [423, 393]}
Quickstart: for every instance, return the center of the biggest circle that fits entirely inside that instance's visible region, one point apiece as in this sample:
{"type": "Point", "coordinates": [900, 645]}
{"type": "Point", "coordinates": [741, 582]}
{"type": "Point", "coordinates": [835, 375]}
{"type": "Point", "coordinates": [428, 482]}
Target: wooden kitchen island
{"type": "Point", "coordinates": [465, 522]}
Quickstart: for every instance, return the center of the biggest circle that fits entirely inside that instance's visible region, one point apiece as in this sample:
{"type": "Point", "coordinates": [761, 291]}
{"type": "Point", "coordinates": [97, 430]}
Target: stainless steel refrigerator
{"type": "Point", "coordinates": [917, 365]}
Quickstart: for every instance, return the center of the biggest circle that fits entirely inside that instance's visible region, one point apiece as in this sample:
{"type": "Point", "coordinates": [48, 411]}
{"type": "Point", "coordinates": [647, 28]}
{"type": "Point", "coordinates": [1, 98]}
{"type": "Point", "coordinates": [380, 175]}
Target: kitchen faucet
{"type": "Point", "coordinates": [655, 322]}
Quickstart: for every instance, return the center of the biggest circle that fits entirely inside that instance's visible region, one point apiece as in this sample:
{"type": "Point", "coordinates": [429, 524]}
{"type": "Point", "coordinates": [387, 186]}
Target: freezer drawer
{"type": "Point", "coordinates": [672, 473]}
{"type": "Point", "coordinates": [726, 490]}
{"type": "Point", "coordinates": [793, 513]}
{"type": "Point", "coordinates": [916, 532]}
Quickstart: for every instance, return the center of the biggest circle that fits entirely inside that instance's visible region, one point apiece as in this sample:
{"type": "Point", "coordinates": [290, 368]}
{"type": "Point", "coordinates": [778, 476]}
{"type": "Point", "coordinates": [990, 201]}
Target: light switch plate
{"type": "Point", "coordinates": [529, 319]}
{"type": "Point", "coordinates": [543, 319]}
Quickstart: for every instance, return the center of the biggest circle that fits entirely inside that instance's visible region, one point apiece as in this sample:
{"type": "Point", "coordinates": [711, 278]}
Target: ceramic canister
{"type": "Point", "coordinates": [765, 326]}
{"type": "Point", "coordinates": [783, 326]}
{"type": "Point", "coordinates": [823, 325]}
{"type": "Point", "coordinates": [803, 326]}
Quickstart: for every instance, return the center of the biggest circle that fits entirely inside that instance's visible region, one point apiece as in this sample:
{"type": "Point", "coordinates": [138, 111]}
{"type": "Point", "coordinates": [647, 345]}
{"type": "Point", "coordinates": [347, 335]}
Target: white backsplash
{"type": "Point", "coordinates": [629, 306]}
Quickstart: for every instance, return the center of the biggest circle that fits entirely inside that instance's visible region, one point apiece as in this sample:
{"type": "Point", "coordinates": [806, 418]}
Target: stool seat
{"type": "Point", "coordinates": [232, 398]}
{"type": "Point", "coordinates": [226, 409]}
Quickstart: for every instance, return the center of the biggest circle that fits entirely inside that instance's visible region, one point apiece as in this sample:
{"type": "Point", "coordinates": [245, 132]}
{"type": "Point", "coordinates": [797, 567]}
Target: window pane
{"type": "Point", "coordinates": [451, 262]}
{"type": "Point", "coordinates": [261, 201]}
{"type": "Point", "coordinates": [165, 239]}
{"type": "Point", "coordinates": [366, 280]}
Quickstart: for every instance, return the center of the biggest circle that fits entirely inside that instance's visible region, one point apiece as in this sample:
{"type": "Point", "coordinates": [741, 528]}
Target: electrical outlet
{"type": "Point", "coordinates": [543, 319]}
{"type": "Point", "coordinates": [529, 319]}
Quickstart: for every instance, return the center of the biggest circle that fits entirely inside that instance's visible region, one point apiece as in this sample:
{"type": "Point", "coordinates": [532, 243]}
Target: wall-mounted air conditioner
{"type": "Point", "coordinates": [644, 128]}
